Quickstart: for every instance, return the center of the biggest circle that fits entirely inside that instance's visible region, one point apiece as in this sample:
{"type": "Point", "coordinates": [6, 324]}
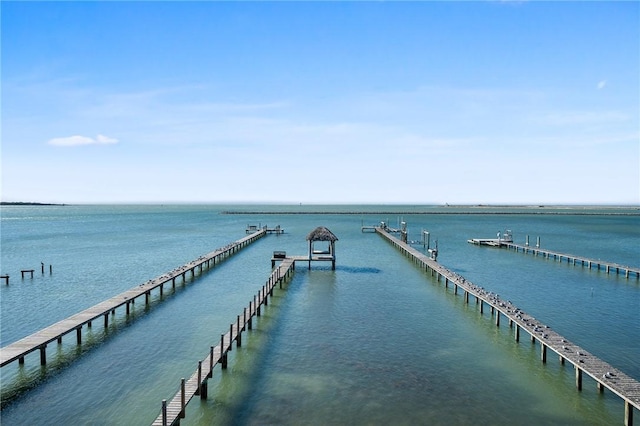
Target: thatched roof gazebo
{"type": "Point", "coordinates": [327, 240]}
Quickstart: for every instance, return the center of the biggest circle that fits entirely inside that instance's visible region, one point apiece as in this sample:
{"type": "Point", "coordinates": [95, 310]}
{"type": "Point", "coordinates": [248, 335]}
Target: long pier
{"type": "Point", "coordinates": [609, 267]}
{"type": "Point", "coordinates": [39, 340]}
{"type": "Point", "coordinates": [605, 375]}
{"type": "Point", "coordinates": [172, 411]}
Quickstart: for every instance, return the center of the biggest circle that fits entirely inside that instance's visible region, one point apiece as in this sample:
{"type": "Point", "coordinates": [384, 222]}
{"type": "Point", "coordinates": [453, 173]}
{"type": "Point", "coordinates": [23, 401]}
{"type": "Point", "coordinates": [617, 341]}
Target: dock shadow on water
{"type": "Point", "coordinates": [357, 269]}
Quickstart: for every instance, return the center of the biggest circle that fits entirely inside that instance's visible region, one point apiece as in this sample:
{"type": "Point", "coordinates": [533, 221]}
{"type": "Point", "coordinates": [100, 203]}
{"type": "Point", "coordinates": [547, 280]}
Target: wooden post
{"type": "Point", "coordinates": [6, 279]}
{"type": "Point", "coordinates": [481, 307]}
{"type": "Point", "coordinates": [204, 390]}
{"type": "Point", "coordinates": [628, 413]}
{"type": "Point", "coordinates": [543, 352]}
{"type": "Point", "coordinates": [238, 335]}
{"type": "Point", "coordinates": [497, 318]}
{"type": "Point", "coordinates": [79, 335]}
{"type": "Point", "coordinates": [43, 355]}
{"type": "Point", "coordinates": [164, 412]}
{"type": "Point", "coordinates": [578, 378]}
{"type": "Point", "coordinates": [106, 320]}
{"type": "Point", "coordinates": [199, 378]}
{"type": "Point", "coordinates": [517, 333]}
{"type": "Point", "coordinates": [223, 353]}
{"type": "Point", "coordinates": [210, 362]}
{"type": "Point", "coordinates": [183, 403]}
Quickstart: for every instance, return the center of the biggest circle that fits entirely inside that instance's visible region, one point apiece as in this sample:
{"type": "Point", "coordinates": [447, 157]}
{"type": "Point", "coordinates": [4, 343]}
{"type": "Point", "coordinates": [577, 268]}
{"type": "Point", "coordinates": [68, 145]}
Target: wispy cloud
{"type": "Point", "coordinates": [602, 84]}
{"type": "Point", "coordinates": [78, 140]}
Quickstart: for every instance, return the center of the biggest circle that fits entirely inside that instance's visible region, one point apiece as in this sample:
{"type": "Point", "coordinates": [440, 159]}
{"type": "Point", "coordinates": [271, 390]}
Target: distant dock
{"type": "Point", "coordinates": [608, 267]}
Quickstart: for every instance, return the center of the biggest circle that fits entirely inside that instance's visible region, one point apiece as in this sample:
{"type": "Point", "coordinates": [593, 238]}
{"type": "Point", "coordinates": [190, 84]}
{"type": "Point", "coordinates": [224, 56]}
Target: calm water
{"type": "Point", "coordinates": [376, 341]}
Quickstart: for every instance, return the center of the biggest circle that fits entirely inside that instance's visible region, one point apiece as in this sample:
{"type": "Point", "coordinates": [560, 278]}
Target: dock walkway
{"type": "Point", "coordinates": [39, 340]}
{"type": "Point", "coordinates": [172, 411]}
{"type": "Point", "coordinates": [570, 258]}
{"type": "Point", "coordinates": [605, 375]}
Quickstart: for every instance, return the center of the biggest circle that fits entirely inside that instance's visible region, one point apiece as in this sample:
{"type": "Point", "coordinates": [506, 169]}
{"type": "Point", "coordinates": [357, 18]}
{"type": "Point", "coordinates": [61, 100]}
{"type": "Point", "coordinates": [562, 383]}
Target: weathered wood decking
{"type": "Point", "coordinates": [39, 340]}
{"type": "Point", "coordinates": [605, 375]}
{"type": "Point", "coordinates": [173, 410]}
{"type": "Point", "coordinates": [570, 258]}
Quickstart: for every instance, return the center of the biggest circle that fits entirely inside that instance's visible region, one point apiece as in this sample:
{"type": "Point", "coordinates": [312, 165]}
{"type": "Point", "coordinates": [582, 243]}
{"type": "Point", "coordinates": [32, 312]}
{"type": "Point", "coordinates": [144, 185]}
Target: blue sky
{"type": "Point", "coordinates": [321, 102]}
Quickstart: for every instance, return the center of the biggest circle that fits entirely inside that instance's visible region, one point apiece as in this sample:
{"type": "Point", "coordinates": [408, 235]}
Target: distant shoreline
{"type": "Point", "coordinates": [22, 203]}
{"type": "Point", "coordinates": [566, 213]}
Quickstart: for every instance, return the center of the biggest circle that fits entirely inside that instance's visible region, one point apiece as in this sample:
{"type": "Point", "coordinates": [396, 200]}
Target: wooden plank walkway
{"type": "Point", "coordinates": [604, 374]}
{"type": "Point", "coordinates": [570, 258]}
{"type": "Point", "coordinates": [39, 340]}
{"type": "Point", "coordinates": [172, 411]}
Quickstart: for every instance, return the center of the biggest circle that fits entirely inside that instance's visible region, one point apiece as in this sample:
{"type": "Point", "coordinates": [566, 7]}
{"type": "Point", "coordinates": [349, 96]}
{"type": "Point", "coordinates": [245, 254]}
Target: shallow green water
{"type": "Point", "coordinates": [376, 341]}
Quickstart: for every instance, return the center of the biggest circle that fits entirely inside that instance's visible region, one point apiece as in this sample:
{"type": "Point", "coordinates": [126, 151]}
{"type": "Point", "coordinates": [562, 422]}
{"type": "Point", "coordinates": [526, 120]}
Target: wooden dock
{"type": "Point", "coordinates": [39, 340]}
{"type": "Point", "coordinates": [605, 375]}
{"type": "Point", "coordinates": [598, 264]}
{"type": "Point", "coordinates": [172, 411]}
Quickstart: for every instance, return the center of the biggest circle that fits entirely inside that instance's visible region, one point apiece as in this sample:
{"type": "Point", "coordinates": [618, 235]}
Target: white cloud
{"type": "Point", "coordinates": [77, 140]}
{"type": "Point", "coordinates": [602, 84]}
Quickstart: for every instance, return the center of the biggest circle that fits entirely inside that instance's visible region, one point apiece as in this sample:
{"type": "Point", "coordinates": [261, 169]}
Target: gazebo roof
{"type": "Point", "coordinates": [321, 234]}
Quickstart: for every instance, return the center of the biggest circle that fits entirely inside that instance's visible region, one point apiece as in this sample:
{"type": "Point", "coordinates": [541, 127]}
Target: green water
{"type": "Point", "coordinates": [377, 341]}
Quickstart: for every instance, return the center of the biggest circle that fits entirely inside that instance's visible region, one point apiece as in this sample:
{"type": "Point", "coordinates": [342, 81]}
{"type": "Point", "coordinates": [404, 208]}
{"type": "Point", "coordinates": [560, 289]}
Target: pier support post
{"type": "Point", "coordinates": [43, 355]}
{"type": "Point", "coordinates": [199, 378]}
{"type": "Point", "coordinates": [628, 413]}
{"type": "Point", "coordinates": [183, 402]}
{"type": "Point", "coordinates": [481, 307]}
{"type": "Point", "coordinates": [204, 390]}
{"type": "Point", "coordinates": [578, 378]}
{"type": "Point", "coordinates": [517, 333]}
{"type": "Point", "coordinates": [543, 352]}
{"type": "Point", "coordinates": [497, 318]}
{"type": "Point", "coordinates": [79, 335]}
{"type": "Point", "coordinates": [210, 362]}
{"type": "Point", "coordinates": [223, 353]}
{"type": "Point", "coordinates": [238, 335]}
